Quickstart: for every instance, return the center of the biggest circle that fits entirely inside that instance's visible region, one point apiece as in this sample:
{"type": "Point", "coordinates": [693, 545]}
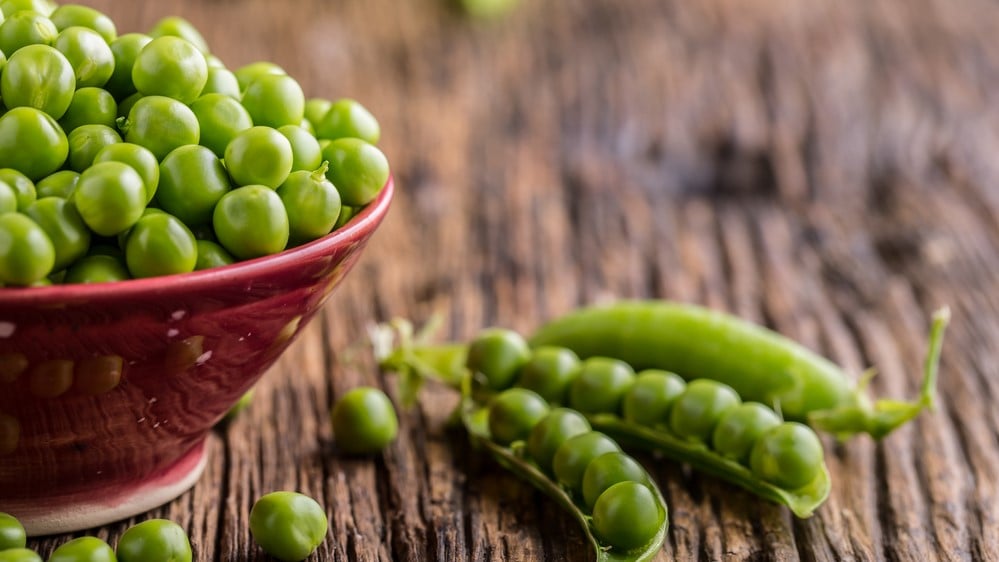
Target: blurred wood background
{"type": "Point", "coordinates": [829, 168]}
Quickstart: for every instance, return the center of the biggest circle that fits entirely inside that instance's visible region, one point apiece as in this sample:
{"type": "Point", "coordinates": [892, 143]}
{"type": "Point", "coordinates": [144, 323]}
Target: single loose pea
{"type": "Point", "coordinates": [26, 253]}
{"type": "Point", "coordinates": [220, 118]}
{"type": "Point", "coordinates": [12, 533]}
{"type": "Point", "coordinates": [160, 244]}
{"type": "Point", "coordinates": [572, 457]}
{"type": "Point", "coordinates": [88, 140]}
{"type": "Point", "coordinates": [609, 469]}
{"type": "Point", "coordinates": [125, 50]}
{"type": "Point", "coordinates": [110, 197]}
{"type": "Point", "coordinates": [155, 540]}
{"type": "Point", "coordinates": [358, 170]}
{"type": "Point", "coordinates": [556, 428]}
{"type": "Point", "coordinates": [38, 76]}
{"type": "Point", "coordinates": [696, 412]}
{"type": "Point", "coordinates": [497, 355]}
{"type": "Point", "coordinates": [306, 154]}
{"type": "Point", "coordinates": [740, 428]}
{"type": "Point", "coordinates": [346, 118]}
{"type": "Point", "coordinates": [172, 67]}
{"type": "Point", "coordinates": [70, 15]}
{"type": "Point", "coordinates": [174, 26]}
{"type": "Point", "coordinates": [549, 372]}
{"type": "Point", "coordinates": [274, 100]}
{"type": "Point", "coordinates": [364, 421]}
{"type": "Point", "coordinates": [647, 402]}
{"type": "Point", "coordinates": [192, 181]}
{"type": "Point", "coordinates": [25, 28]}
{"type": "Point", "coordinates": [90, 106]}
{"type": "Point", "coordinates": [312, 204]}
{"type": "Point", "coordinates": [60, 184]}
{"type": "Point", "coordinates": [139, 158]}
{"type": "Point", "coordinates": [513, 413]}
{"type": "Point", "coordinates": [259, 156]}
{"type": "Point", "coordinates": [64, 227]}
{"type": "Point", "coordinates": [626, 516]}
{"type": "Point", "coordinates": [97, 268]}
{"type": "Point", "coordinates": [83, 549]}
{"type": "Point", "coordinates": [251, 222]}
{"type": "Point", "coordinates": [88, 53]}
{"type": "Point", "coordinates": [24, 188]}
{"type": "Point", "coordinates": [287, 525]}
{"type": "Point", "coordinates": [211, 254]}
{"type": "Point", "coordinates": [161, 124]}
{"type": "Point", "coordinates": [221, 81]}
{"type": "Point", "coordinates": [247, 74]}
{"type": "Point", "coordinates": [19, 555]}
{"type": "Point", "coordinates": [789, 456]}
{"type": "Point", "coordinates": [600, 385]}
{"type": "Point", "coordinates": [32, 143]}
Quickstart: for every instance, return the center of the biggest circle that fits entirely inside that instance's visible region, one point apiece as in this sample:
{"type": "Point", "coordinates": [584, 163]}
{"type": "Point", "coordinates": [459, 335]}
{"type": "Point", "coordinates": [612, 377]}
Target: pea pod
{"type": "Point", "coordinates": [759, 364]}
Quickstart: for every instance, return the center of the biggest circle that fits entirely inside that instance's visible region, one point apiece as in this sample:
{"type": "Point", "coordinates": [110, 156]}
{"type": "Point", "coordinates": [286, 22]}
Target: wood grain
{"type": "Point", "coordinates": [827, 168]}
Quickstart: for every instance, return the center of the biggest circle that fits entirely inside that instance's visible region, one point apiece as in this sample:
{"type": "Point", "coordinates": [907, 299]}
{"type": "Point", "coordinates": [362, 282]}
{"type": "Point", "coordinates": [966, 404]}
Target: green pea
{"type": "Point", "coordinates": [159, 244]}
{"type": "Point", "coordinates": [247, 74]}
{"type": "Point", "coordinates": [64, 227]}
{"type": "Point", "coordinates": [572, 457]}
{"type": "Point", "coordinates": [513, 413]}
{"type": "Point", "coordinates": [556, 428]}
{"type": "Point", "coordinates": [312, 204]}
{"type": "Point", "coordinates": [220, 118]}
{"type": "Point", "coordinates": [60, 184]}
{"type": "Point", "coordinates": [358, 170]}
{"type": "Point", "coordinates": [497, 355]}
{"type": "Point", "coordinates": [8, 198]}
{"type": "Point", "coordinates": [89, 55]}
{"type": "Point", "coordinates": [125, 50]}
{"type": "Point", "coordinates": [83, 549]}
{"type": "Point", "coordinates": [174, 26]}
{"type": "Point", "coordinates": [161, 124]}
{"type": "Point", "coordinates": [211, 255]}
{"type": "Point", "coordinates": [251, 222]}
{"type": "Point", "coordinates": [32, 143]}
{"type": "Point", "coordinates": [19, 555]}
{"type": "Point", "coordinates": [155, 540]}
{"type": "Point", "coordinates": [306, 154]}
{"type": "Point", "coordinates": [308, 128]}
{"type": "Point", "coordinates": [287, 525]}
{"type": "Point", "coordinates": [140, 159]}
{"type": "Point", "coordinates": [24, 28]}
{"type": "Point", "coordinates": [70, 15]}
{"type": "Point", "coordinates": [86, 141]}
{"type": "Point", "coordinates": [244, 402]}
{"type": "Point", "coordinates": [347, 118]}
{"type": "Point", "coordinates": [26, 253]}
{"type": "Point", "coordinates": [221, 81]}
{"type": "Point", "coordinates": [90, 106]}
{"type": "Point", "coordinates": [696, 412]}
{"type": "Point", "coordinates": [600, 385]}
{"type": "Point", "coordinates": [316, 108]}
{"type": "Point", "coordinates": [214, 62]}
{"type": "Point", "coordinates": [12, 533]}
{"type": "Point", "coordinates": [740, 428]}
{"type": "Point", "coordinates": [24, 188]}
{"type": "Point", "coordinates": [97, 268]}
{"type": "Point", "coordinates": [274, 100]}
{"type": "Point", "coordinates": [38, 76]}
{"type": "Point", "coordinates": [789, 456]}
{"type": "Point", "coordinates": [626, 516]}
{"type": "Point", "coordinates": [259, 156]}
{"type": "Point", "coordinates": [125, 108]}
{"type": "Point", "coordinates": [110, 197]}
{"type": "Point", "coordinates": [364, 421]}
{"type": "Point", "coordinates": [11, 7]}
{"type": "Point", "coordinates": [549, 372]}
{"type": "Point", "coordinates": [647, 402]}
{"type": "Point", "coordinates": [192, 181]}
{"type": "Point", "coordinates": [346, 213]}
{"type": "Point", "coordinates": [609, 469]}
{"type": "Point", "coordinates": [172, 67]}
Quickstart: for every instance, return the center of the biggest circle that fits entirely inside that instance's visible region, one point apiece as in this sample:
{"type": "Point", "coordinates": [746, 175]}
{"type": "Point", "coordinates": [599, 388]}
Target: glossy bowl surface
{"type": "Point", "coordinates": [108, 391]}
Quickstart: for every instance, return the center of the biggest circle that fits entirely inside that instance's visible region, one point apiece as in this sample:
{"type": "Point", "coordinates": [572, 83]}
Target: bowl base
{"type": "Point", "coordinates": [61, 515]}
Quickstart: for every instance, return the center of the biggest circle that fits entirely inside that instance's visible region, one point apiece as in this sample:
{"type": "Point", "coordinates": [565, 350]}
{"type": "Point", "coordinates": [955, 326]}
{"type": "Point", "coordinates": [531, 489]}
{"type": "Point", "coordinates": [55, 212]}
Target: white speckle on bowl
{"type": "Point", "coordinates": [178, 314]}
{"type": "Point", "coordinates": [141, 420]}
{"type": "Point", "coordinates": [156, 425]}
{"type": "Point", "coordinates": [241, 338]}
{"type": "Point", "coordinates": [172, 332]}
{"type": "Point", "coordinates": [7, 329]}
{"type": "Point", "coordinates": [153, 400]}
{"type": "Point", "coordinates": [204, 357]}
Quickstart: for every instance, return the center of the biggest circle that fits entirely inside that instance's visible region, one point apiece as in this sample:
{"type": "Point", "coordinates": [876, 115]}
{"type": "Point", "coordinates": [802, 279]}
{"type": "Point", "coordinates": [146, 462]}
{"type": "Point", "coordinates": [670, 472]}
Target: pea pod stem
{"type": "Point", "coordinates": [758, 363]}
{"type": "Point", "coordinates": [512, 459]}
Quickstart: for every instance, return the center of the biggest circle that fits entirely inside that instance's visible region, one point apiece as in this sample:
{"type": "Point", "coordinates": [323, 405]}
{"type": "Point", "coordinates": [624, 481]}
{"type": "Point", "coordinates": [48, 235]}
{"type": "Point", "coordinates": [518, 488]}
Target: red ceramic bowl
{"type": "Point", "coordinates": [108, 391]}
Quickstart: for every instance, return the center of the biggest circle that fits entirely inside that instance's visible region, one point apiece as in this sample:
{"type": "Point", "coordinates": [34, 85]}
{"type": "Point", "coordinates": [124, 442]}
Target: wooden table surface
{"type": "Point", "coordinates": [829, 168]}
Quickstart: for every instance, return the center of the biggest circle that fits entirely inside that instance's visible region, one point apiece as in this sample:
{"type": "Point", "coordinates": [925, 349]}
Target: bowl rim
{"type": "Point", "coordinates": [357, 228]}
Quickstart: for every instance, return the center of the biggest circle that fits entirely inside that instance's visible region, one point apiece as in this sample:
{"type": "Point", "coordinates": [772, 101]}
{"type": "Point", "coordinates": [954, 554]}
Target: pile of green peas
{"type": "Point", "coordinates": [142, 155]}
{"type": "Point", "coordinates": [154, 540]}
{"type": "Point", "coordinates": [788, 455]}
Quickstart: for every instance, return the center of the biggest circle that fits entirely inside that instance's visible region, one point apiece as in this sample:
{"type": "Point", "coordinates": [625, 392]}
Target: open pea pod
{"type": "Point", "coordinates": [474, 419]}
{"type": "Point", "coordinates": [802, 501]}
